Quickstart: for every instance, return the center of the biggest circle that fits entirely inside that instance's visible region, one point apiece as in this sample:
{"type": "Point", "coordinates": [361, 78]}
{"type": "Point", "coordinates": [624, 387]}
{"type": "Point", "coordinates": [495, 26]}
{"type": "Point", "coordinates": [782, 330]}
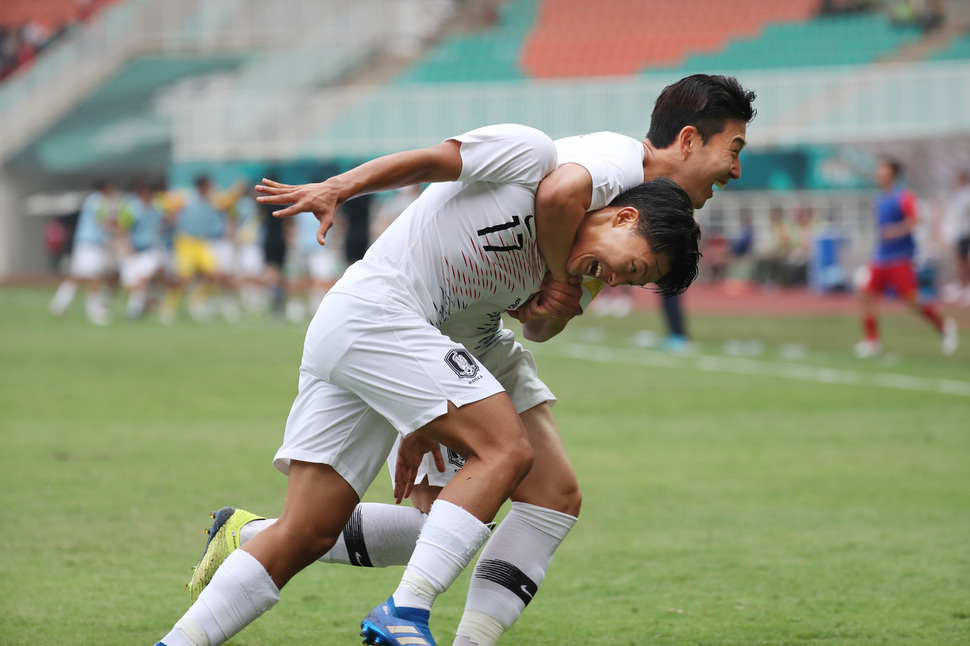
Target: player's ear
{"type": "Point", "coordinates": [625, 216]}
{"type": "Point", "coordinates": [687, 140]}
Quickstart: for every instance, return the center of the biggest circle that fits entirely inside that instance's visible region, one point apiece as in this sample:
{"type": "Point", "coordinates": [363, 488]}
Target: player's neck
{"type": "Point", "coordinates": [658, 162]}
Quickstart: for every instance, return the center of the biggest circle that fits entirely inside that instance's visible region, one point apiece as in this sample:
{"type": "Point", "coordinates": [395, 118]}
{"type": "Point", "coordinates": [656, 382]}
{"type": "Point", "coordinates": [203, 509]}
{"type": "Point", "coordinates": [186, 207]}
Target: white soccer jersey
{"type": "Point", "coordinates": [615, 164]}
{"type": "Point", "coordinates": [468, 247]}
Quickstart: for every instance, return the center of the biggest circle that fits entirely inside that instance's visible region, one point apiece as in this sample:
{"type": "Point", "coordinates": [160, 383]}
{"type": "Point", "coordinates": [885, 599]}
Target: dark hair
{"type": "Point", "coordinates": [700, 100]}
{"type": "Point", "coordinates": [666, 221]}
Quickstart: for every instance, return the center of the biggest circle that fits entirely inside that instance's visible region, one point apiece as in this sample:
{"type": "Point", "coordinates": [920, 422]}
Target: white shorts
{"type": "Point", "coordinates": [515, 368]}
{"type": "Point", "coordinates": [141, 266]}
{"type": "Point", "coordinates": [370, 372]}
{"type": "Point", "coordinates": [225, 254]}
{"type": "Point", "coordinates": [250, 262]}
{"type": "Point", "coordinates": [88, 261]}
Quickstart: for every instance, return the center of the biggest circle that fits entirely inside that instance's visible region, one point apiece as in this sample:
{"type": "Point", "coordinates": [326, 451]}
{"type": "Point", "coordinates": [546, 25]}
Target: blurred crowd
{"type": "Point", "coordinates": [209, 251]}
{"type": "Point", "coordinates": [21, 43]}
{"type": "Point", "coordinates": [205, 252]}
{"type": "Point", "coordinates": [800, 246]}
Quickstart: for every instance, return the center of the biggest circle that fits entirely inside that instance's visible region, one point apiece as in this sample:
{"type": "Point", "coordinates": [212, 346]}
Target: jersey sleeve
{"type": "Point", "coordinates": [506, 154]}
{"type": "Point", "coordinates": [614, 162]}
{"type": "Point", "coordinates": [907, 204]}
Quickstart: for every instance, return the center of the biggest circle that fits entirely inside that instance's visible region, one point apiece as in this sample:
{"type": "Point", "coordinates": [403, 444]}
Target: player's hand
{"type": "Point", "coordinates": [409, 456]}
{"type": "Point", "coordinates": [320, 198]}
{"type": "Point", "coordinates": [555, 299]}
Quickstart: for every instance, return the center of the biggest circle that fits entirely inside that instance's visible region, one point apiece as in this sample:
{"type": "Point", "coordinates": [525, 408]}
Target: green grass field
{"type": "Point", "coordinates": [799, 496]}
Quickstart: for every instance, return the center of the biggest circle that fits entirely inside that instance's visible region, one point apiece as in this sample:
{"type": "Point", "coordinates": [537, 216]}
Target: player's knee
{"type": "Point", "coordinates": [519, 457]}
{"type": "Point", "coordinates": [559, 493]}
{"type": "Point", "coordinates": [570, 500]}
{"type": "Point", "coordinates": [508, 461]}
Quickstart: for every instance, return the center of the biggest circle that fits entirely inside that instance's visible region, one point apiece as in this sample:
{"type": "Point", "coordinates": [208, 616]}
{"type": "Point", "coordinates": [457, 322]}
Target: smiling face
{"type": "Point", "coordinates": [608, 247]}
{"type": "Point", "coordinates": [710, 164]}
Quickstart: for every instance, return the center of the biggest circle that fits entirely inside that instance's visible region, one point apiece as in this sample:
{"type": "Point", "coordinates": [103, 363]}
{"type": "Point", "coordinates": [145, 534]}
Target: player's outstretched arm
{"type": "Point", "coordinates": [562, 200]}
{"type": "Point", "coordinates": [441, 163]}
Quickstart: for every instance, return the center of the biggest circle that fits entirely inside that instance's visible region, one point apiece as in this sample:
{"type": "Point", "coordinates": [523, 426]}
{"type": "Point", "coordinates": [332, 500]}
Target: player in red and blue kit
{"type": "Point", "coordinates": [892, 262]}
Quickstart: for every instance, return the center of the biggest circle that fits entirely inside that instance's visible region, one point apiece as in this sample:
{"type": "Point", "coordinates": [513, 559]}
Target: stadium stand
{"type": "Point", "coordinates": [27, 27]}
{"type": "Point", "coordinates": [827, 40]}
{"type": "Point", "coordinates": [573, 38]}
{"type": "Point", "coordinates": [182, 86]}
{"type": "Point", "coordinates": [958, 49]}
{"type": "Point", "coordinates": [492, 55]}
{"type": "Point", "coordinates": [561, 39]}
{"type": "Point", "coordinates": [51, 14]}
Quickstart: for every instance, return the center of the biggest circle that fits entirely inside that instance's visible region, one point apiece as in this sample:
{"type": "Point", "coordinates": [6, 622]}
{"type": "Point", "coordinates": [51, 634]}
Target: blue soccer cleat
{"type": "Point", "coordinates": [387, 625]}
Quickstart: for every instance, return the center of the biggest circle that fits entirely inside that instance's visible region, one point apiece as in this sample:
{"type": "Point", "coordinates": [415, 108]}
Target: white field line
{"type": "Point", "coordinates": [756, 367]}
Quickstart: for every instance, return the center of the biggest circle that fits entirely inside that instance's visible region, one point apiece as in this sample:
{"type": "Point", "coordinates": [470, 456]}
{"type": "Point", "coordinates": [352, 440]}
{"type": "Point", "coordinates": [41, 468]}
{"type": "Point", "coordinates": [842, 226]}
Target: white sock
{"type": "Point", "coordinates": [93, 304]}
{"type": "Point", "coordinates": [450, 538]}
{"type": "Point", "coordinates": [63, 297]}
{"type": "Point", "coordinates": [238, 594]}
{"type": "Point", "coordinates": [377, 535]}
{"type": "Point", "coordinates": [136, 303]}
{"type": "Point", "coordinates": [510, 570]}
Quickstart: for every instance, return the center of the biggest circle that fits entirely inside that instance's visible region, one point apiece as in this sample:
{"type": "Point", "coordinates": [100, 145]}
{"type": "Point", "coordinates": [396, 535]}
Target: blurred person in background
{"type": "Point", "coordinates": [277, 232]}
{"type": "Point", "coordinates": [314, 267]}
{"type": "Point", "coordinates": [140, 245]}
{"type": "Point", "coordinates": [357, 214]}
{"type": "Point", "coordinates": [250, 263]}
{"type": "Point", "coordinates": [800, 254]}
{"type": "Point", "coordinates": [91, 255]}
{"type": "Point", "coordinates": [892, 261]}
{"type": "Point", "coordinates": [203, 252]}
{"type": "Point", "coordinates": [771, 268]}
{"type": "Point", "coordinates": [742, 250]}
{"type": "Point", "coordinates": [957, 233]}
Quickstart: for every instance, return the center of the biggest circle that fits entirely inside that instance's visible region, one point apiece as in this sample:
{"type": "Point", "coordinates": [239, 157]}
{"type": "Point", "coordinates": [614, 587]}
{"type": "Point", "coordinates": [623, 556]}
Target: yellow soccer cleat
{"type": "Point", "coordinates": [223, 539]}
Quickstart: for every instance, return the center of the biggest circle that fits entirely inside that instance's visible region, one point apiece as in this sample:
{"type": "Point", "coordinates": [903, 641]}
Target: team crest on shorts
{"type": "Point", "coordinates": [462, 362]}
{"type": "Point", "coordinates": [455, 459]}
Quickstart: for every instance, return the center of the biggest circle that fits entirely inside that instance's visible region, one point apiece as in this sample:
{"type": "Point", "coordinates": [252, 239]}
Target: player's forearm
{"type": "Point", "coordinates": [441, 163]}
{"type": "Point", "coordinates": [561, 202]}
{"type": "Point", "coordinates": [541, 330]}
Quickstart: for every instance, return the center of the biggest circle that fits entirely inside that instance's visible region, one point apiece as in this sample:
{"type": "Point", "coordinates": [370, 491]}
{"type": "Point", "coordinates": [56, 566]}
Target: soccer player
{"type": "Point", "coordinates": [250, 265]}
{"type": "Point", "coordinates": [95, 228]}
{"type": "Point", "coordinates": [140, 244]}
{"type": "Point", "coordinates": [958, 234]}
{"type": "Point", "coordinates": [892, 261]}
{"type": "Point", "coordinates": [314, 267]}
{"type": "Point", "coordinates": [700, 126]}
{"type": "Point", "coordinates": [376, 363]}
{"type": "Point", "coordinates": [202, 250]}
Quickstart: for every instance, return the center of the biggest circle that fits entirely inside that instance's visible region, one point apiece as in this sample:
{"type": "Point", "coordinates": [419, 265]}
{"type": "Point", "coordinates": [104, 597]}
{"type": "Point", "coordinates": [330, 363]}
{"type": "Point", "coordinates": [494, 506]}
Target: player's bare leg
{"type": "Point", "coordinates": [870, 345]}
{"type": "Point", "coordinates": [946, 326]}
{"type": "Point", "coordinates": [318, 504]}
{"type": "Point", "coordinates": [497, 454]}
{"type": "Point", "coordinates": [544, 509]}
